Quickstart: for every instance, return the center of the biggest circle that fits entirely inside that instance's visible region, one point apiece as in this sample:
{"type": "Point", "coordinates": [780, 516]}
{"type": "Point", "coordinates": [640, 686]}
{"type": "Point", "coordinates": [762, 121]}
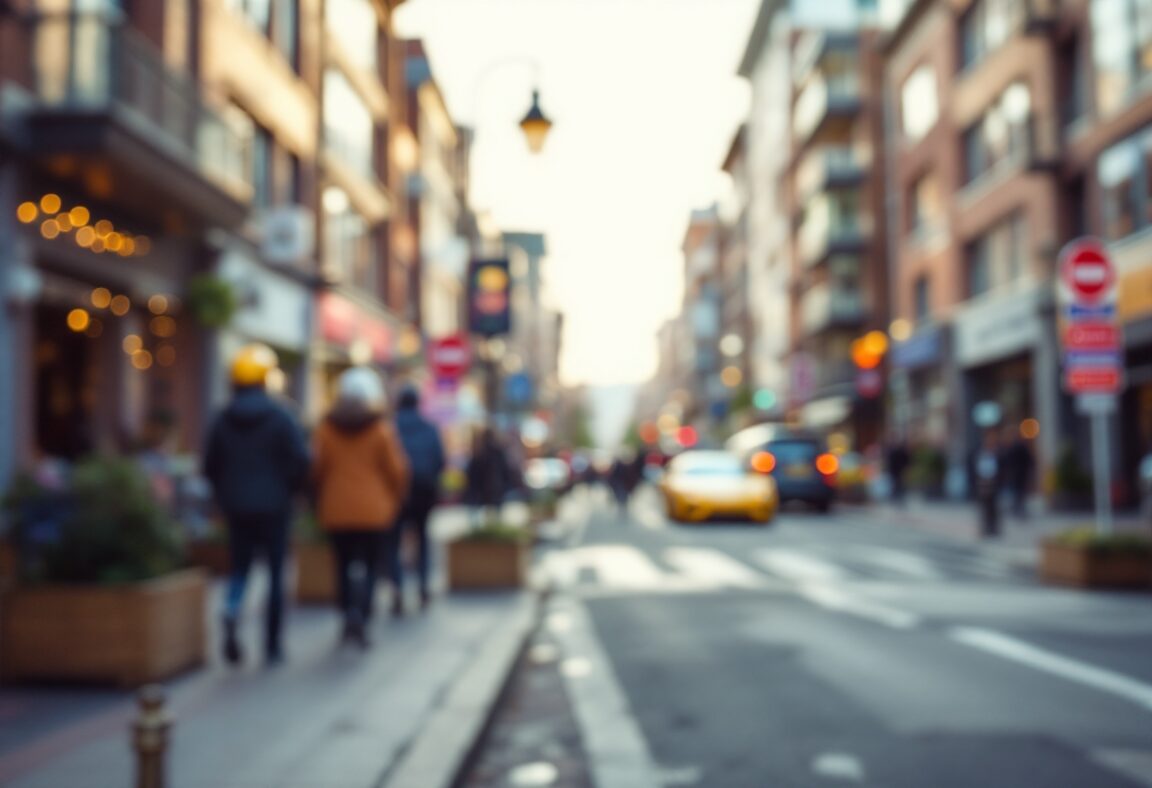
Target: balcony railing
{"type": "Point", "coordinates": [825, 233]}
{"type": "Point", "coordinates": [825, 307]}
{"type": "Point", "coordinates": [825, 96]}
{"type": "Point", "coordinates": [90, 63]}
{"type": "Point", "coordinates": [828, 166]}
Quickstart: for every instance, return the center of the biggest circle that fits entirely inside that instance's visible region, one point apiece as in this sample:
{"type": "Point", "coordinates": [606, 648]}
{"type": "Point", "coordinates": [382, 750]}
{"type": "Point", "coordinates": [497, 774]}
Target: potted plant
{"type": "Point", "coordinates": [1070, 484]}
{"type": "Point", "coordinates": [100, 593]}
{"type": "Point", "coordinates": [494, 556]}
{"type": "Point", "coordinates": [926, 471]}
{"type": "Point", "coordinates": [1082, 557]}
{"type": "Point", "coordinates": [312, 555]}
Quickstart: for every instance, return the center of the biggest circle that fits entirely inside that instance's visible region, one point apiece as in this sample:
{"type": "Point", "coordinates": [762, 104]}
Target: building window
{"type": "Point", "coordinates": [925, 206]}
{"type": "Point", "coordinates": [348, 126]}
{"type": "Point", "coordinates": [1123, 173]}
{"type": "Point", "coordinates": [354, 25]}
{"type": "Point", "coordinates": [262, 168]}
{"type": "Point", "coordinates": [286, 31]}
{"type": "Point", "coordinates": [1122, 50]}
{"type": "Point", "coordinates": [986, 25]}
{"type": "Point", "coordinates": [921, 295]}
{"type": "Point", "coordinates": [1001, 136]}
{"type": "Point", "coordinates": [997, 258]}
{"type": "Point", "coordinates": [257, 13]}
{"type": "Point", "coordinates": [919, 104]}
{"type": "Point", "coordinates": [348, 243]}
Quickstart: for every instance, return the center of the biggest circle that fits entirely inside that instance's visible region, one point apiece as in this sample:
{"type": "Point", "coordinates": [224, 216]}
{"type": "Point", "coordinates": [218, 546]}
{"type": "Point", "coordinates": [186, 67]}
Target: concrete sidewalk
{"type": "Point", "coordinates": [405, 713]}
{"type": "Point", "coordinates": [959, 520]}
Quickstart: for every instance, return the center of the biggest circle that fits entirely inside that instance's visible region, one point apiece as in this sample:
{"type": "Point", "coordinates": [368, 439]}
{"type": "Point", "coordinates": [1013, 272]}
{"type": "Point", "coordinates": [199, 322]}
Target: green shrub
{"type": "Point", "coordinates": [104, 526]}
{"type": "Point", "coordinates": [1086, 537]}
{"type": "Point", "coordinates": [498, 532]}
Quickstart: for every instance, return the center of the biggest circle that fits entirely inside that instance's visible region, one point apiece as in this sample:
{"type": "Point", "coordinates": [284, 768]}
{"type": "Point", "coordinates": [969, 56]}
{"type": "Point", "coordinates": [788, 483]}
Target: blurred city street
{"type": "Point", "coordinates": [849, 649]}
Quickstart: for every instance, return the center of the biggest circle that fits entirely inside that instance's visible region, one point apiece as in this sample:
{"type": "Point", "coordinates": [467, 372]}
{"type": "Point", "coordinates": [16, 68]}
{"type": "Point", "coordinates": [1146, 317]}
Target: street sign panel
{"type": "Point", "coordinates": [1092, 380]}
{"type": "Point", "coordinates": [802, 377]}
{"type": "Point", "coordinates": [869, 383]}
{"type": "Point", "coordinates": [1091, 336]}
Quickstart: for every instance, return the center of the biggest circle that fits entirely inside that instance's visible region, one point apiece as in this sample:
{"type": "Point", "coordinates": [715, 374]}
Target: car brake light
{"type": "Point", "coordinates": [763, 462]}
{"type": "Point", "coordinates": [827, 464]}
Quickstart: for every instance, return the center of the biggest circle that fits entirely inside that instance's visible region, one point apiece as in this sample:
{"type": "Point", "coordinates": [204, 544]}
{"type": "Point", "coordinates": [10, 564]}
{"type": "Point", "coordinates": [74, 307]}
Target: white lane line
{"type": "Point", "coordinates": [617, 751]}
{"type": "Point", "coordinates": [839, 766]}
{"type": "Point", "coordinates": [707, 566]}
{"type": "Point", "coordinates": [1081, 672]}
{"type": "Point", "coordinates": [845, 602]}
{"type": "Point", "coordinates": [1136, 765]}
{"type": "Point", "coordinates": [797, 566]}
{"type": "Point", "coordinates": [619, 566]}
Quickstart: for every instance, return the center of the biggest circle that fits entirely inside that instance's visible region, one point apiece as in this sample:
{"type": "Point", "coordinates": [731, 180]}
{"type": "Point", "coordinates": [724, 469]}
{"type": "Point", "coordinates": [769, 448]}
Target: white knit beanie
{"type": "Point", "coordinates": [362, 385]}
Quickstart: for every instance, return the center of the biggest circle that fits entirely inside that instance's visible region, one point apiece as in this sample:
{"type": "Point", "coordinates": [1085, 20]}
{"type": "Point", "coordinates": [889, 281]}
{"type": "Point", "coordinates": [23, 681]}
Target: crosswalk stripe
{"type": "Point", "coordinates": [797, 566]}
{"type": "Point", "coordinates": [714, 568]}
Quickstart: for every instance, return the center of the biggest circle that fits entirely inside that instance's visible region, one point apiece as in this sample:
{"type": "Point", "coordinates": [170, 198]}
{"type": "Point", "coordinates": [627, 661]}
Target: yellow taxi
{"type": "Point", "coordinates": [706, 485]}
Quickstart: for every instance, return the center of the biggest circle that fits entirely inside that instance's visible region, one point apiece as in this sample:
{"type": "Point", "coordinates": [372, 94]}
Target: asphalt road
{"type": "Point", "coordinates": [842, 650]}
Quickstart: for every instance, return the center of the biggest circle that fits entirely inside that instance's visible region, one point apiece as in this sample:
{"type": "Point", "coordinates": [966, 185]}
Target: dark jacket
{"type": "Point", "coordinates": [422, 444]}
{"type": "Point", "coordinates": [256, 458]}
{"type": "Point", "coordinates": [489, 476]}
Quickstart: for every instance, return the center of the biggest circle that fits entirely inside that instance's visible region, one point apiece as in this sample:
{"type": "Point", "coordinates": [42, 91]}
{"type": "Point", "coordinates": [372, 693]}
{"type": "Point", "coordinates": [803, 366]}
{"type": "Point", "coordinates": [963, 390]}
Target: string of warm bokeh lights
{"type": "Point", "coordinates": [97, 237]}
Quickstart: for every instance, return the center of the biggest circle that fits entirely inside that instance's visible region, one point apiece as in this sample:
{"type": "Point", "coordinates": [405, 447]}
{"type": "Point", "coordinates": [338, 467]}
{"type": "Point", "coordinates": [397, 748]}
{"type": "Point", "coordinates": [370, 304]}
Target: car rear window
{"type": "Point", "coordinates": [794, 452]}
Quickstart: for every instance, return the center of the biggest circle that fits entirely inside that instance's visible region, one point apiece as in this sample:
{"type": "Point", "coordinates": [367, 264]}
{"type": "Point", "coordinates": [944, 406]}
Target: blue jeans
{"type": "Point", "coordinates": [247, 536]}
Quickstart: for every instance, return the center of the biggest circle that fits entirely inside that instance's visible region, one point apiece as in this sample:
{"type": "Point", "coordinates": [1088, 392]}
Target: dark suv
{"type": "Point", "coordinates": [797, 459]}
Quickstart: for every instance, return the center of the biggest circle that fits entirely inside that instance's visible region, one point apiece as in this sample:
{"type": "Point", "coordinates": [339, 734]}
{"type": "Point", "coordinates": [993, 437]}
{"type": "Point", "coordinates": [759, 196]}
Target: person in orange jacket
{"type": "Point", "coordinates": [362, 478]}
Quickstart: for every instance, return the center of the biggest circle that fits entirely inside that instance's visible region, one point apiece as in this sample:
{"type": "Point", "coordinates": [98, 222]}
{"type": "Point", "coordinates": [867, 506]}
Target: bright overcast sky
{"type": "Point", "coordinates": [645, 100]}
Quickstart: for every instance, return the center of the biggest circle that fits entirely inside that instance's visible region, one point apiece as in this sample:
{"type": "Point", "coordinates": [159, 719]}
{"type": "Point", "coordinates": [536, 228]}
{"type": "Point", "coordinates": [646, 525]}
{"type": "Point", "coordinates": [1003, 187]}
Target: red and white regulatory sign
{"type": "Point", "coordinates": [1090, 336]}
{"type": "Point", "coordinates": [1087, 270]}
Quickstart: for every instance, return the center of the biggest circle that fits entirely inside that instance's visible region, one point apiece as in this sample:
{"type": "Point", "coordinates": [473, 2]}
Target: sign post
{"type": "Point", "coordinates": [1092, 353]}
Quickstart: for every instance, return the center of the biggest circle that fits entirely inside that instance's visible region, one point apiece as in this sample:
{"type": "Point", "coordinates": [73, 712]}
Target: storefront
{"type": "Point", "coordinates": [350, 333]}
{"type": "Point", "coordinates": [1134, 308]}
{"type": "Point", "coordinates": [101, 336]}
{"type": "Point", "coordinates": [1005, 347]}
{"type": "Point", "coordinates": [275, 309]}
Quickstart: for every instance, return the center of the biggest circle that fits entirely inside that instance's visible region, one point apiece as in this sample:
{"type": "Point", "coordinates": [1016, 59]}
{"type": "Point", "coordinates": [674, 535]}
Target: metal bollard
{"type": "Point", "coordinates": [150, 737]}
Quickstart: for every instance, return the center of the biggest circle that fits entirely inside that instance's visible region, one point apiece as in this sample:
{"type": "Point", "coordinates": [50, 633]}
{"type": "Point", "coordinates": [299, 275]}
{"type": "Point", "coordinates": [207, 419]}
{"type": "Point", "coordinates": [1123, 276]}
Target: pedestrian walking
{"type": "Point", "coordinates": [361, 477]}
{"type": "Point", "coordinates": [425, 454]}
{"type": "Point", "coordinates": [622, 479]}
{"type": "Point", "coordinates": [987, 474]}
{"type": "Point", "coordinates": [898, 460]}
{"type": "Point", "coordinates": [1019, 465]}
{"type": "Point", "coordinates": [256, 461]}
{"type": "Point", "coordinates": [489, 477]}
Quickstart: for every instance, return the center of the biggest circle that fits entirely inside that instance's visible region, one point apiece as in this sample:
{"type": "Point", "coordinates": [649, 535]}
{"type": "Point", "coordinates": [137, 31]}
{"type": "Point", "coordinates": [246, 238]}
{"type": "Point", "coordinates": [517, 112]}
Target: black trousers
{"type": "Point", "coordinates": [989, 515]}
{"type": "Point", "coordinates": [357, 556]}
{"type": "Point", "coordinates": [247, 536]}
{"type": "Point", "coordinates": [413, 519]}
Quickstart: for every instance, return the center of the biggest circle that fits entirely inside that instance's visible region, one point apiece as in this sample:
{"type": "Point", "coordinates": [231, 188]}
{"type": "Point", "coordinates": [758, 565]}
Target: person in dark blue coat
{"type": "Point", "coordinates": [425, 452]}
{"type": "Point", "coordinates": [257, 461]}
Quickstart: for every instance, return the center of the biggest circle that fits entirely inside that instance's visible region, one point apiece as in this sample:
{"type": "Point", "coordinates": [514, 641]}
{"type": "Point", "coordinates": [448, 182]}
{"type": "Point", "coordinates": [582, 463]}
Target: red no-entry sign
{"type": "Point", "coordinates": [1087, 270]}
{"type": "Point", "coordinates": [449, 357]}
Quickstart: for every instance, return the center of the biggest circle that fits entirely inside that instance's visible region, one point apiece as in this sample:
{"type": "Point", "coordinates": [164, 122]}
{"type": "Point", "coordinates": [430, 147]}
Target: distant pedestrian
{"type": "Point", "coordinates": [987, 474]}
{"type": "Point", "coordinates": [256, 461]}
{"type": "Point", "coordinates": [490, 477]}
{"type": "Point", "coordinates": [1018, 469]}
{"type": "Point", "coordinates": [898, 460]}
{"type": "Point", "coordinates": [361, 477]}
{"type": "Point", "coordinates": [425, 455]}
{"type": "Point", "coordinates": [622, 479]}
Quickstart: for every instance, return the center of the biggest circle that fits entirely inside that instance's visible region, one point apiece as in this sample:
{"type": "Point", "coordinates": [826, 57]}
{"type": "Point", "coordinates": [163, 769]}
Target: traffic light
{"type": "Point", "coordinates": [489, 298]}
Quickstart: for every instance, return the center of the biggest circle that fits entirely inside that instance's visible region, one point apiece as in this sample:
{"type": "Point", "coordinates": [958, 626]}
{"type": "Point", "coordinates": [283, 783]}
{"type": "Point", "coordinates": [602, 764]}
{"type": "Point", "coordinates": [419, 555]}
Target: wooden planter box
{"type": "Point", "coordinates": [315, 573]}
{"type": "Point", "coordinates": [211, 556]}
{"type": "Point", "coordinates": [1077, 566]}
{"type": "Point", "coordinates": [480, 564]}
{"type": "Point", "coordinates": [128, 635]}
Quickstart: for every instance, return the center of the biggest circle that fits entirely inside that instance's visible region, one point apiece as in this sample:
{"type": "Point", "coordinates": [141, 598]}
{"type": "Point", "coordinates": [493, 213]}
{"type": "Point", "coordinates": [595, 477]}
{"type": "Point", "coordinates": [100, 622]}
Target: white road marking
{"type": "Point", "coordinates": [906, 564]}
{"type": "Point", "coordinates": [844, 602]}
{"type": "Point", "coordinates": [617, 752]}
{"type": "Point", "coordinates": [713, 568]}
{"type": "Point", "coordinates": [680, 775]}
{"type": "Point", "coordinates": [1136, 765]}
{"type": "Point", "coordinates": [1026, 654]}
{"type": "Point", "coordinates": [839, 766]}
{"type": "Point", "coordinates": [797, 566]}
